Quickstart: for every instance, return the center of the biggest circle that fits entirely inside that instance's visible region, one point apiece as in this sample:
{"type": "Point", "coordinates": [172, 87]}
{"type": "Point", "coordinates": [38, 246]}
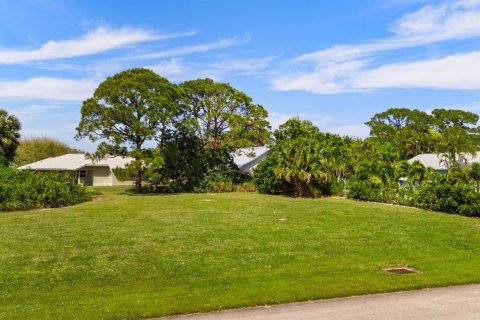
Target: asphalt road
{"type": "Point", "coordinates": [450, 303]}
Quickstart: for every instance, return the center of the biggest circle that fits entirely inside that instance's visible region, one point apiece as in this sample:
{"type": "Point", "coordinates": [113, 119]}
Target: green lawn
{"type": "Point", "coordinates": [131, 257]}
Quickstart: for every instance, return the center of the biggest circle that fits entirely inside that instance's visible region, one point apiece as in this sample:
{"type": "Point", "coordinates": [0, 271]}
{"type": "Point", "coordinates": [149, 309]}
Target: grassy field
{"type": "Point", "coordinates": [131, 257]}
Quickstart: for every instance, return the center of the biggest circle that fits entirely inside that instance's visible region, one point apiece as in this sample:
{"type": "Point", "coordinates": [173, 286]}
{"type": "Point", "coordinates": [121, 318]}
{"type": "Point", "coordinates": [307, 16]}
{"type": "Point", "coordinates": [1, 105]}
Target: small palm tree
{"type": "Point", "coordinates": [416, 173]}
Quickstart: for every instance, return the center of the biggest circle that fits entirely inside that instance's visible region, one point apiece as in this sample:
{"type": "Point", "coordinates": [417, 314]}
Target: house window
{"type": "Point", "coordinates": [82, 173]}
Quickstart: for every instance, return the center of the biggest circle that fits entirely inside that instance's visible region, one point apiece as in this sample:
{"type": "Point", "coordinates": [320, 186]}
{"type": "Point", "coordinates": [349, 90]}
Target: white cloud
{"type": "Point", "coordinates": [345, 68]}
{"type": "Point", "coordinates": [48, 88]}
{"type": "Point", "coordinates": [99, 40]}
{"type": "Point", "coordinates": [246, 66]}
{"type": "Point", "coordinates": [199, 48]}
{"type": "Point", "coordinates": [452, 72]}
{"type": "Point", "coordinates": [450, 20]}
{"type": "Point", "coordinates": [177, 70]}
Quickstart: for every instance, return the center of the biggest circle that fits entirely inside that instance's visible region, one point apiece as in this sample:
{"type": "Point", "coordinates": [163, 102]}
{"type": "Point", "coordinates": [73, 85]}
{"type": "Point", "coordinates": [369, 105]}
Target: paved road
{"type": "Point", "coordinates": [451, 303]}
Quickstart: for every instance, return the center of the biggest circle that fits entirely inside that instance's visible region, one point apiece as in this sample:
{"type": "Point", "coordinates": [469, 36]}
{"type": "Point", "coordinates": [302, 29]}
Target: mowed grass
{"type": "Point", "coordinates": [131, 257]}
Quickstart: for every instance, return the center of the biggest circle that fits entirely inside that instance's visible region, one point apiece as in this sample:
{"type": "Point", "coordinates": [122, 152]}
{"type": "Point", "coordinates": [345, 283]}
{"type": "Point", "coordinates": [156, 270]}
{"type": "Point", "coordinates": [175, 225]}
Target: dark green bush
{"type": "Point", "coordinates": [437, 196]}
{"type": "Point", "coordinates": [265, 180]}
{"type": "Point", "coordinates": [26, 189]}
{"type": "Point", "coordinates": [460, 198]}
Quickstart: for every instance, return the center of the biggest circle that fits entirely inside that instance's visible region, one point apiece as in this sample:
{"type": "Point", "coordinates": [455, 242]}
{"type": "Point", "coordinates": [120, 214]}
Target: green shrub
{"type": "Point", "coordinates": [436, 196]}
{"type": "Point", "coordinates": [26, 189]}
{"type": "Point", "coordinates": [228, 186]}
{"type": "Point", "coordinates": [337, 188]}
{"type": "Point", "coordinates": [265, 180]}
{"type": "Point", "coordinates": [460, 198]}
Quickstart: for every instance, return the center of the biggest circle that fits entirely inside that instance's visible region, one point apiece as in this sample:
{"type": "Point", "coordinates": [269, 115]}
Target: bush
{"type": "Point", "coordinates": [26, 189]}
{"type": "Point", "coordinates": [228, 186]}
{"type": "Point", "coordinates": [265, 180]}
{"type": "Point", "coordinates": [336, 188]}
{"type": "Point", "coordinates": [460, 198]}
{"type": "Point", "coordinates": [437, 196]}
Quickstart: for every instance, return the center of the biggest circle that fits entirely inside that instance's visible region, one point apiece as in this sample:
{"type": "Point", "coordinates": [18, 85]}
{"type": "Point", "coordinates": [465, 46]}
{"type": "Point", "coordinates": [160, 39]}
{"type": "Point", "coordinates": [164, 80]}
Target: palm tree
{"type": "Point", "coordinates": [416, 173]}
{"type": "Point", "coordinates": [300, 163]}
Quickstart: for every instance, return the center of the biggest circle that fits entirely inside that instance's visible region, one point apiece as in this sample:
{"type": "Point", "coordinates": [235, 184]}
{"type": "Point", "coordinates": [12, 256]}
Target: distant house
{"type": "Point", "coordinates": [247, 159]}
{"type": "Point", "coordinates": [85, 171]}
{"type": "Point", "coordinates": [435, 161]}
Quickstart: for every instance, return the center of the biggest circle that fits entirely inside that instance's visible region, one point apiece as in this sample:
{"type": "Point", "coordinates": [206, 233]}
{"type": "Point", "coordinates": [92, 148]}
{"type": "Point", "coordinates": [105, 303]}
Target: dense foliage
{"type": "Point", "coordinates": [39, 148]}
{"type": "Point", "coordinates": [9, 136]}
{"type": "Point", "coordinates": [303, 161]}
{"type": "Point", "coordinates": [197, 125]}
{"type": "Point", "coordinates": [453, 193]}
{"type": "Point", "coordinates": [26, 189]}
{"type": "Point", "coordinates": [451, 133]}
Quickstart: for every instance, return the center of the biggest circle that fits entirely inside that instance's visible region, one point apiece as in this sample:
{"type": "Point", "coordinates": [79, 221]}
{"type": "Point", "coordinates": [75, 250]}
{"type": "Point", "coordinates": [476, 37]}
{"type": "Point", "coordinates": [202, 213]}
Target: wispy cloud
{"type": "Point", "coordinates": [199, 48]}
{"type": "Point", "coordinates": [177, 69]}
{"type": "Point", "coordinates": [451, 72]}
{"type": "Point", "coordinates": [354, 67]}
{"type": "Point", "coordinates": [100, 40]}
{"type": "Point", "coordinates": [48, 88]}
{"type": "Point", "coordinates": [245, 66]}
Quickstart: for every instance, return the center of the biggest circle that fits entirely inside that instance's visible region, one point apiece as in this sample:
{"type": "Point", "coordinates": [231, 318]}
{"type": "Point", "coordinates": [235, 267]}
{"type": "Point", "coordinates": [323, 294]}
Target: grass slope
{"type": "Point", "coordinates": [132, 257]}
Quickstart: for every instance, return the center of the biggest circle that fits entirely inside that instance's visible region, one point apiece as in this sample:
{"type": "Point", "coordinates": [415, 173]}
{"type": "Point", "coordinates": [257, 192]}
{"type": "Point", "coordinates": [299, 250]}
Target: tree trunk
{"type": "Point", "coordinates": [138, 182]}
{"type": "Point", "coordinates": [138, 175]}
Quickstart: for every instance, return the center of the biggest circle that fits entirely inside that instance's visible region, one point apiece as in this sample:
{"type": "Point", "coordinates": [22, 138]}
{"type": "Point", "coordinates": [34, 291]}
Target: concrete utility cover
{"type": "Point", "coordinates": [401, 270]}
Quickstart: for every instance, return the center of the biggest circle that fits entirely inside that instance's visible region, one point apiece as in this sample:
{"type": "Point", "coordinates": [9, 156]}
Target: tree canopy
{"type": "Point", "coordinates": [223, 116]}
{"type": "Point", "coordinates": [410, 132]}
{"type": "Point", "coordinates": [9, 137]}
{"type": "Point", "coordinates": [127, 110]}
{"type": "Point", "coordinates": [459, 135]}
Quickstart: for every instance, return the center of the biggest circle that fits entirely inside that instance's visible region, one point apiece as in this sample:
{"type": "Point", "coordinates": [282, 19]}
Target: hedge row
{"type": "Point", "coordinates": [26, 189]}
{"type": "Point", "coordinates": [442, 196]}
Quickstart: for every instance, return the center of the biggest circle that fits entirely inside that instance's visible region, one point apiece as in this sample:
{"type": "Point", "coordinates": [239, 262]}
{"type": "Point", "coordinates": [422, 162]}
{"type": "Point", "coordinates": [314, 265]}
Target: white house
{"type": "Point", "coordinates": [86, 171]}
{"type": "Point", "coordinates": [247, 159]}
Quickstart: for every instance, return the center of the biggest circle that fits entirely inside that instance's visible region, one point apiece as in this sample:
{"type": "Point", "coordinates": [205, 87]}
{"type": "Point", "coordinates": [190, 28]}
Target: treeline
{"type": "Point", "coordinates": [180, 136]}
{"type": "Point", "coordinates": [308, 163]}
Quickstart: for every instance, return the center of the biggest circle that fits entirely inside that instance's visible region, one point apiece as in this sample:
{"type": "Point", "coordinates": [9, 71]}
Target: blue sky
{"type": "Point", "coordinates": [335, 63]}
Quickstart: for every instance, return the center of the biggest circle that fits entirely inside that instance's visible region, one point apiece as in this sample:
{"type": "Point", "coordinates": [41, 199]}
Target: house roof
{"type": "Point", "coordinates": [433, 160]}
{"type": "Point", "coordinates": [243, 158]}
{"type": "Point", "coordinates": [76, 161]}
